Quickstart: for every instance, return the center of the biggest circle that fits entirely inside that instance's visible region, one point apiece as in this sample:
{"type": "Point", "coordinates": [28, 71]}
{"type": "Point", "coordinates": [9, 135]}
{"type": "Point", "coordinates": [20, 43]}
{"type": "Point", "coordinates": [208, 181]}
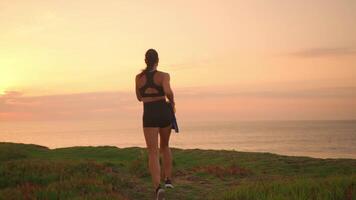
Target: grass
{"type": "Point", "coordinates": [334, 187]}
{"type": "Point", "coordinates": [35, 172]}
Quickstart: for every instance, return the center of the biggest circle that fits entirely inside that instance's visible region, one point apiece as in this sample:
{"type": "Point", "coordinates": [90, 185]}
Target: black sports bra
{"type": "Point", "coordinates": [151, 84]}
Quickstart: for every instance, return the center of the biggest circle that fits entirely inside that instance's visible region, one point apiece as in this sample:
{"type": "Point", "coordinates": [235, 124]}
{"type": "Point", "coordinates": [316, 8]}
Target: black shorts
{"type": "Point", "coordinates": [157, 114]}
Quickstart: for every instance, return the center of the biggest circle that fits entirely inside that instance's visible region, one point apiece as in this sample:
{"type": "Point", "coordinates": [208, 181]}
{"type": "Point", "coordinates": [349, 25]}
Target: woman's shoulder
{"type": "Point", "coordinates": [163, 73]}
{"type": "Point", "coordinates": [139, 75]}
{"type": "Point", "coordinates": [160, 73]}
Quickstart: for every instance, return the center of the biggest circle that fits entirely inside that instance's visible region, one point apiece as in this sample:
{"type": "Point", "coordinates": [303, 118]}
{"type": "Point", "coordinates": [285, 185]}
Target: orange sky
{"type": "Point", "coordinates": [256, 60]}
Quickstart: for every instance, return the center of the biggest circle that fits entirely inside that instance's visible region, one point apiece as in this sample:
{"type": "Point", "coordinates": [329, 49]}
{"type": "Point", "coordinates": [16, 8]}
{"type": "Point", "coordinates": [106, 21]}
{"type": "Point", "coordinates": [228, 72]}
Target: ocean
{"type": "Point", "coordinates": [320, 139]}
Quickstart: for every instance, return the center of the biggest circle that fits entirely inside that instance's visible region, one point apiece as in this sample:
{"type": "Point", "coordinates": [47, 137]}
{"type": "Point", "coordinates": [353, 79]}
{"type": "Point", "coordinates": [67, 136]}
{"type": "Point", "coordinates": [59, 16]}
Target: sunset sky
{"type": "Point", "coordinates": [238, 60]}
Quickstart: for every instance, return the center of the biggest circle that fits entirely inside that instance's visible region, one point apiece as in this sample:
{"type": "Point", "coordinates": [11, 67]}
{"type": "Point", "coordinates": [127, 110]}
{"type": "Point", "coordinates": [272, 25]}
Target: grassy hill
{"type": "Point", "coordinates": [35, 172]}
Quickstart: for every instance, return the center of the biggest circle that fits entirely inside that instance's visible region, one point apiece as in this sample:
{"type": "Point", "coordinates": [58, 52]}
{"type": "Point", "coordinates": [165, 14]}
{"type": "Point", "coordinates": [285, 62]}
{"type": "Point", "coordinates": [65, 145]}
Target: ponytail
{"type": "Point", "coordinates": [151, 58]}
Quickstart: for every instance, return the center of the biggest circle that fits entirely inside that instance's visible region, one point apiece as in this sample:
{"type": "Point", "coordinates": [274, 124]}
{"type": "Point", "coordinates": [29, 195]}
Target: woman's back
{"type": "Point", "coordinates": [150, 85]}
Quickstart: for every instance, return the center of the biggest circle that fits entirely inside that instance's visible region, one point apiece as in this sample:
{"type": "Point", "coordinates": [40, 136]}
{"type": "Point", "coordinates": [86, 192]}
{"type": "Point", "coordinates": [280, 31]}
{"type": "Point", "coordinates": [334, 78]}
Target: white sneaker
{"type": "Point", "coordinates": [160, 193]}
{"type": "Point", "coordinates": [168, 183]}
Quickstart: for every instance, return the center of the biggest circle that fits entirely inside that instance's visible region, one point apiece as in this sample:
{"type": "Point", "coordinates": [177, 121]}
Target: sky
{"type": "Point", "coordinates": [228, 60]}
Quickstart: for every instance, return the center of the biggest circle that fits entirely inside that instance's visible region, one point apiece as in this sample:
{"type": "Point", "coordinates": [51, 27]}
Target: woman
{"type": "Point", "coordinates": [152, 88]}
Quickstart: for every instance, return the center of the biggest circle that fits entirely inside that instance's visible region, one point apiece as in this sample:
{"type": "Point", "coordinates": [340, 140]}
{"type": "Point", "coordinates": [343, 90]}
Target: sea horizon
{"type": "Point", "coordinates": [312, 138]}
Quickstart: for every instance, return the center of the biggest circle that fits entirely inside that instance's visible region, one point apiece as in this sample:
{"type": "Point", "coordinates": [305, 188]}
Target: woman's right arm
{"type": "Point", "coordinates": [138, 95]}
{"type": "Point", "coordinates": [167, 89]}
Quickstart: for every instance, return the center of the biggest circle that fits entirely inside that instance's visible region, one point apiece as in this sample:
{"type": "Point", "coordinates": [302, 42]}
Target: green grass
{"type": "Point", "coordinates": [334, 187]}
{"type": "Point", "coordinates": [106, 172]}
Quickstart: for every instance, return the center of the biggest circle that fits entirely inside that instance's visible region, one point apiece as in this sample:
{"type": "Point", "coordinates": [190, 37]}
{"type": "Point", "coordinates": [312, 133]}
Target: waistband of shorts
{"type": "Point", "coordinates": [155, 102]}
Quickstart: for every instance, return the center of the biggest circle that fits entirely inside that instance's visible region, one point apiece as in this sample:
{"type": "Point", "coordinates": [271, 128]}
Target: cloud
{"type": "Point", "coordinates": [69, 106]}
{"type": "Point", "coordinates": [322, 52]}
{"type": "Point", "coordinates": [327, 92]}
{"type": "Point", "coordinates": [11, 94]}
{"type": "Point", "coordinates": [192, 103]}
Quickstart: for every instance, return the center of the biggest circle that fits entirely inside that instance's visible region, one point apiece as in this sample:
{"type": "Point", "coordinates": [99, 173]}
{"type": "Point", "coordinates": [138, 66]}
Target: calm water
{"type": "Point", "coordinates": [324, 139]}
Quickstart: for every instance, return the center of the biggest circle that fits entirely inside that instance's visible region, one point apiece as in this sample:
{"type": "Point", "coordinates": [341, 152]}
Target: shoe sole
{"type": "Point", "coordinates": [160, 195]}
{"type": "Point", "coordinates": [169, 186]}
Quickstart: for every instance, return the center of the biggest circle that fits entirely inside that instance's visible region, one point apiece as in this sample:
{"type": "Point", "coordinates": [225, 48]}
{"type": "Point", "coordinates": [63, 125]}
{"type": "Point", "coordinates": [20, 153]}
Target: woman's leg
{"type": "Point", "coordinates": [166, 151]}
{"type": "Point", "coordinates": [151, 137]}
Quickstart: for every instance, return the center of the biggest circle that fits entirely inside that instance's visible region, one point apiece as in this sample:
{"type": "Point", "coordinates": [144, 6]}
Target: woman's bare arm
{"type": "Point", "coordinates": [167, 88]}
{"type": "Point", "coordinates": [138, 95]}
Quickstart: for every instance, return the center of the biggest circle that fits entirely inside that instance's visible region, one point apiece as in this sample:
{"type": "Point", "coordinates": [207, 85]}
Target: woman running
{"type": "Point", "coordinates": [152, 88]}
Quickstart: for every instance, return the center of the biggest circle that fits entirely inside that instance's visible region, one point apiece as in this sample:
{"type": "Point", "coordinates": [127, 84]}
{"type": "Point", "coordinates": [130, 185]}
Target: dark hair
{"type": "Point", "coordinates": [151, 58]}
